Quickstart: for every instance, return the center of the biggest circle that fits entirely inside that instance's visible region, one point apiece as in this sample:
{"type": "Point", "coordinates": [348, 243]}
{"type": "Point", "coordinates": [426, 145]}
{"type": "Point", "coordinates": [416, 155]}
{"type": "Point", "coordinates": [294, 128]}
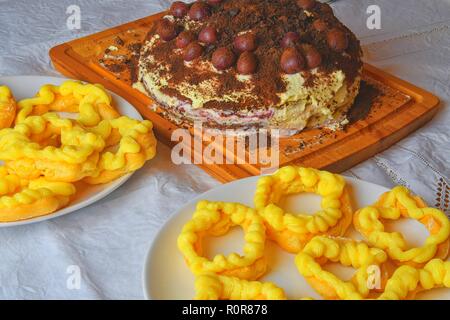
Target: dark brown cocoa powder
{"type": "Point", "coordinates": [269, 20]}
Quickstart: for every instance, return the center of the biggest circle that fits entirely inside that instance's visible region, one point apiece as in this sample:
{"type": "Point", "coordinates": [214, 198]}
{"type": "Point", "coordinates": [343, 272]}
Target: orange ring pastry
{"type": "Point", "coordinates": [75, 158]}
{"type": "Point", "coordinates": [215, 219]}
{"type": "Point", "coordinates": [92, 102]}
{"type": "Point", "coordinates": [43, 144]}
{"type": "Point", "coordinates": [8, 107]}
{"type": "Point", "coordinates": [136, 146]}
{"type": "Point", "coordinates": [347, 252]}
{"type": "Point", "coordinates": [53, 170]}
{"type": "Point", "coordinates": [216, 287]}
{"type": "Point", "coordinates": [293, 231]}
{"type": "Point", "coordinates": [408, 281]}
{"type": "Point", "coordinates": [21, 200]}
{"type": "Point", "coordinates": [43, 137]}
{"type": "Point", "coordinates": [43, 153]}
{"type": "Point", "coordinates": [394, 205]}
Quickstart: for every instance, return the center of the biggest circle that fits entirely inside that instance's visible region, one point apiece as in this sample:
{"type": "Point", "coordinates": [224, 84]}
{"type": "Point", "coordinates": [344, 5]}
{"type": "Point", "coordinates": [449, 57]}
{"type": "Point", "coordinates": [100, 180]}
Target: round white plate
{"type": "Point", "coordinates": [26, 87]}
{"type": "Point", "coordinates": [166, 276]}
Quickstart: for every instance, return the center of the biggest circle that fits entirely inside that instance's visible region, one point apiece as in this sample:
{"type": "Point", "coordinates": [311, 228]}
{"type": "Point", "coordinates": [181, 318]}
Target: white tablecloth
{"type": "Point", "coordinates": [109, 239]}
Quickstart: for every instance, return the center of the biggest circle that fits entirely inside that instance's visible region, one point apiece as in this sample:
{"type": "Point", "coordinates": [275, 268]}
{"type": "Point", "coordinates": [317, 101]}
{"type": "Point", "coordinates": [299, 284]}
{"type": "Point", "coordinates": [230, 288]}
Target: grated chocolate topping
{"type": "Point", "coordinates": [270, 21]}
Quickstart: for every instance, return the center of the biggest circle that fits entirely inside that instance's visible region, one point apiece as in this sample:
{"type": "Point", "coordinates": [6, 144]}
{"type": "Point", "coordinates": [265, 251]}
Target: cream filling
{"type": "Point", "coordinates": [306, 106]}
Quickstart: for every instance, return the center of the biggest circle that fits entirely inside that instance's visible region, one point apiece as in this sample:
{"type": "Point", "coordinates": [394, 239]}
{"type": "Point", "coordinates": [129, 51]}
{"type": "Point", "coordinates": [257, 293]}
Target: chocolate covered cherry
{"type": "Point", "coordinates": [245, 42]}
{"type": "Point", "coordinates": [179, 9]}
{"type": "Point", "coordinates": [199, 11]}
{"type": "Point", "coordinates": [290, 39]}
{"type": "Point", "coordinates": [312, 56]}
{"type": "Point", "coordinates": [337, 40]}
{"type": "Point", "coordinates": [192, 51]}
{"type": "Point", "coordinates": [319, 25]}
{"type": "Point", "coordinates": [184, 38]}
{"type": "Point", "coordinates": [208, 35]}
{"type": "Point", "coordinates": [292, 61]}
{"type": "Point", "coordinates": [306, 4]}
{"type": "Point", "coordinates": [166, 30]}
{"type": "Point", "coordinates": [247, 63]}
{"type": "Point", "coordinates": [223, 58]}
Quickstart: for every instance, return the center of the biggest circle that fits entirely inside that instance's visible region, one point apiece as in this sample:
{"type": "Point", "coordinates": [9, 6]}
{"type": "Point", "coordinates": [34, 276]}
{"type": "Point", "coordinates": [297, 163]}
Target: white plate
{"type": "Point", "coordinates": [166, 276]}
{"type": "Point", "coordinates": [26, 87]}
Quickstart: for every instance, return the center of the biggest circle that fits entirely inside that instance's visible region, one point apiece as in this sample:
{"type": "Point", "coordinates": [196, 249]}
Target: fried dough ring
{"type": "Point", "coordinates": [291, 231]}
{"type": "Point", "coordinates": [86, 146]}
{"type": "Point", "coordinates": [20, 200]}
{"type": "Point", "coordinates": [216, 287]}
{"type": "Point", "coordinates": [215, 219]}
{"type": "Point", "coordinates": [43, 153]}
{"type": "Point", "coordinates": [10, 183]}
{"type": "Point", "coordinates": [137, 145]}
{"type": "Point", "coordinates": [75, 158]}
{"type": "Point", "coordinates": [92, 102]}
{"type": "Point", "coordinates": [347, 252]}
{"type": "Point", "coordinates": [394, 205]}
{"type": "Point", "coordinates": [407, 281]}
{"type": "Point", "coordinates": [8, 107]}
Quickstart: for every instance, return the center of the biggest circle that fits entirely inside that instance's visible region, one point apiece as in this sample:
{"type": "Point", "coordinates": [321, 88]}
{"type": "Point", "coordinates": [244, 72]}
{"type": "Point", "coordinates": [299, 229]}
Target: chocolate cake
{"type": "Point", "coordinates": [249, 64]}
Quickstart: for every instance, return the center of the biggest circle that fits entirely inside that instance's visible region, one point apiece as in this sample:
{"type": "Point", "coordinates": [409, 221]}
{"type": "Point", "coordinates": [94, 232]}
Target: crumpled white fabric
{"type": "Point", "coordinates": [109, 239]}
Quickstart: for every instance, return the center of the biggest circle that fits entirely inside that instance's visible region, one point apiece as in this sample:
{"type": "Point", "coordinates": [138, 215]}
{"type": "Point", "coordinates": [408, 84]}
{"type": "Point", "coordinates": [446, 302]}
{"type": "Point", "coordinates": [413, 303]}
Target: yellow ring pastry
{"type": "Point", "coordinates": [137, 145]}
{"type": "Point", "coordinates": [396, 204]}
{"type": "Point", "coordinates": [8, 107]}
{"type": "Point", "coordinates": [44, 152]}
{"type": "Point", "coordinates": [20, 200]}
{"type": "Point", "coordinates": [216, 287]}
{"type": "Point", "coordinates": [347, 252]}
{"type": "Point", "coordinates": [76, 156]}
{"type": "Point", "coordinates": [215, 219]}
{"type": "Point", "coordinates": [10, 183]}
{"type": "Point", "coordinates": [293, 231]}
{"type": "Point", "coordinates": [407, 281]}
{"type": "Point", "coordinates": [92, 102]}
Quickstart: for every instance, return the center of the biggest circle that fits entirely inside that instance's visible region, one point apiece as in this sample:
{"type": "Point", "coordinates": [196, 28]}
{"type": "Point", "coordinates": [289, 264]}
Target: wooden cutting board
{"type": "Point", "coordinates": [392, 107]}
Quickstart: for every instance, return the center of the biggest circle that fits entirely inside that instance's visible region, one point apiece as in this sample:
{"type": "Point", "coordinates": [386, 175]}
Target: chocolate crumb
{"type": "Point", "coordinates": [363, 102]}
{"type": "Point", "coordinates": [119, 41]}
{"type": "Point", "coordinates": [134, 47]}
{"type": "Point", "coordinates": [116, 67]}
